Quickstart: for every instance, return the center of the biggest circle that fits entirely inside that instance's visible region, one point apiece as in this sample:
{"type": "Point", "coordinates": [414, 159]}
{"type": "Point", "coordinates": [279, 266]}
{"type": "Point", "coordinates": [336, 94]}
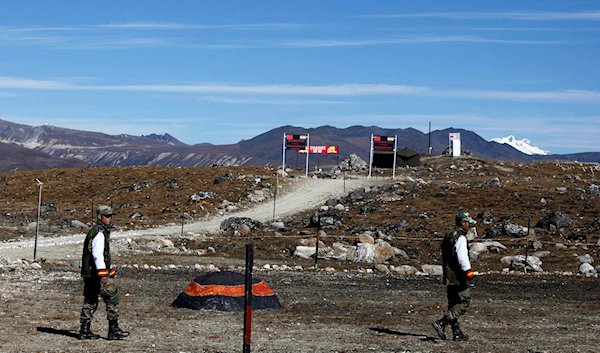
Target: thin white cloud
{"type": "Point", "coordinates": [23, 83]}
{"type": "Point", "coordinates": [323, 43]}
{"type": "Point", "coordinates": [183, 26]}
{"type": "Point", "coordinates": [235, 100]}
{"type": "Point", "coordinates": [9, 30]}
{"type": "Point", "coordinates": [278, 89]}
{"type": "Point", "coordinates": [508, 15]}
{"type": "Point", "coordinates": [527, 29]}
{"type": "Point", "coordinates": [563, 96]}
{"type": "Point", "coordinates": [339, 90]}
{"type": "Point", "coordinates": [120, 36]}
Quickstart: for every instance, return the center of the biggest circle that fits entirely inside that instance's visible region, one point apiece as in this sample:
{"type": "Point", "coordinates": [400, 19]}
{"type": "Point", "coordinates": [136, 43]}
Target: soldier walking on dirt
{"type": "Point", "coordinates": [457, 274]}
{"type": "Point", "coordinates": [98, 278]}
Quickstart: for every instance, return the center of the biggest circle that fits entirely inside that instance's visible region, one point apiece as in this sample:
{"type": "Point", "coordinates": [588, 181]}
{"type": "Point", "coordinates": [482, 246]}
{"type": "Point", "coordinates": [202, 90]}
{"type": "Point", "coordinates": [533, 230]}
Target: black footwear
{"type": "Point", "coordinates": [439, 327]}
{"type": "Point", "coordinates": [85, 333]}
{"type": "Point", "coordinates": [457, 334]}
{"type": "Point", "coordinates": [115, 332]}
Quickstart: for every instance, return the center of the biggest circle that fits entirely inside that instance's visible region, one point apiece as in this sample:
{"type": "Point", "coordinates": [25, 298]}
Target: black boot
{"type": "Point", "coordinates": [85, 333]}
{"type": "Point", "coordinates": [440, 327]}
{"type": "Point", "coordinates": [115, 332]}
{"type": "Point", "coordinates": [457, 334]}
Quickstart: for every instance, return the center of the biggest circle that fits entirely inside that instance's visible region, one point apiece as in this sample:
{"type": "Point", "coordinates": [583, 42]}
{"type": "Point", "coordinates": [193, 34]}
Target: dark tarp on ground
{"type": "Point", "coordinates": [224, 291]}
{"type": "Point", "coordinates": [405, 157]}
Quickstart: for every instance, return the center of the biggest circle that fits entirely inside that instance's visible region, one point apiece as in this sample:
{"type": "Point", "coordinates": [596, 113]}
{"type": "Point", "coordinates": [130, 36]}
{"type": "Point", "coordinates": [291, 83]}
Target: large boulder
{"type": "Point", "coordinates": [529, 263]}
{"type": "Point", "coordinates": [236, 222]}
{"type": "Point", "coordinates": [556, 219]}
{"type": "Point", "coordinates": [365, 253]}
{"type": "Point", "coordinates": [515, 230]}
{"type": "Point", "coordinates": [587, 269]}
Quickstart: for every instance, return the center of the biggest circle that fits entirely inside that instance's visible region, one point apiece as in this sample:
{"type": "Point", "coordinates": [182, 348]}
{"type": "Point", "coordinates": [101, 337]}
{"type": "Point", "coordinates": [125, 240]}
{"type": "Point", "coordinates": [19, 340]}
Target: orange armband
{"type": "Point", "coordinates": [102, 273]}
{"type": "Point", "coordinates": [469, 274]}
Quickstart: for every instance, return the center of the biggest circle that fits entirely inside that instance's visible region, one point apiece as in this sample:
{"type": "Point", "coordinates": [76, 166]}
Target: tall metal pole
{"type": "Point", "coordinates": [370, 157]}
{"type": "Point", "coordinates": [527, 242]}
{"type": "Point", "coordinates": [283, 162]}
{"type": "Point", "coordinates": [182, 222]}
{"type": "Point", "coordinates": [275, 194]}
{"type": "Point", "coordinates": [429, 149]}
{"type": "Point", "coordinates": [395, 155]}
{"type": "Point", "coordinates": [317, 248]}
{"type": "Point", "coordinates": [248, 298]}
{"type": "Point", "coordinates": [37, 224]}
{"type": "Point", "coordinates": [307, 153]}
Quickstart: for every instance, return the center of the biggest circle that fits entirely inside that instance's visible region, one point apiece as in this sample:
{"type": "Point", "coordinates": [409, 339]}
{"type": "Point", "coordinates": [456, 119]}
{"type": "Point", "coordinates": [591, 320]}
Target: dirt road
{"type": "Point", "coordinates": [303, 194]}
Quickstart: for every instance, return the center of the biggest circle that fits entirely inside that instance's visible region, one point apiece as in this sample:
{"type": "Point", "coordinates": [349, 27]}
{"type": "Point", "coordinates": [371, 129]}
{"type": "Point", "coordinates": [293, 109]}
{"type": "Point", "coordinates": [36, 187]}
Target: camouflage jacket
{"type": "Point", "coordinates": [453, 274]}
{"type": "Point", "coordinates": [88, 267]}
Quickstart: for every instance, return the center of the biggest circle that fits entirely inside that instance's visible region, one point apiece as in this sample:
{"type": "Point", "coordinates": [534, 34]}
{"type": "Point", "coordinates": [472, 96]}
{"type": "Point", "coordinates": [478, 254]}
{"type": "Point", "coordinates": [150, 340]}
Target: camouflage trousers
{"type": "Point", "coordinates": [459, 298]}
{"type": "Point", "coordinates": [92, 288]}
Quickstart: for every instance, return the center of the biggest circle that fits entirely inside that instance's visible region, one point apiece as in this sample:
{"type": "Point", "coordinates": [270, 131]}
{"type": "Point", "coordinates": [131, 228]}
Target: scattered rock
{"type": "Point", "coordinates": [531, 263]}
{"type": "Point", "coordinates": [433, 270]}
{"type": "Point", "coordinates": [587, 269]}
{"type": "Point", "coordinates": [405, 270]}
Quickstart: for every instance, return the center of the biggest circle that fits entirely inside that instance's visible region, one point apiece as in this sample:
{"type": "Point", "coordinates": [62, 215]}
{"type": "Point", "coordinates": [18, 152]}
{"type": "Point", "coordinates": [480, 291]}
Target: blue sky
{"type": "Point", "coordinates": [222, 71]}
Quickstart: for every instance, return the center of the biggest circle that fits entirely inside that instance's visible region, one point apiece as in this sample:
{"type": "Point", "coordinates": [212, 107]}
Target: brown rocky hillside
{"type": "Point", "coordinates": [143, 197]}
{"type": "Point", "coordinates": [412, 211]}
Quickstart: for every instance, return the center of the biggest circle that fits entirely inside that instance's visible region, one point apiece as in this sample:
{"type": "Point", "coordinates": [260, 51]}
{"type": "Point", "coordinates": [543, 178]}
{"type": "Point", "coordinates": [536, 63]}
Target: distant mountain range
{"type": "Point", "coordinates": [26, 147]}
{"type": "Point", "coordinates": [523, 145]}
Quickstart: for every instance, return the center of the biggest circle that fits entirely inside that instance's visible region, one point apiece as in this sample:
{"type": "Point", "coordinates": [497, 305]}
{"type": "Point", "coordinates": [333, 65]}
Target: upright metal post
{"type": "Point", "coordinates": [307, 153]}
{"type": "Point", "coordinates": [527, 242]}
{"type": "Point", "coordinates": [275, 194]}
{"type": "Point", "coordinates": [248, 298]}
{"type": "Point", "coordinates": [395, 153]}
{"type": "Point", "coordinates": [317, 249]}
{"type": "Point", "coordinates": [429, 149]}
{"type": "Point", "coordinates": [283, 161]}
{"type": "Point", "coordinates": [37, 224]}
{"type": "Point", "coordinates": [370, 157]}
{"type": "Point", "coordinates": [182, 222]}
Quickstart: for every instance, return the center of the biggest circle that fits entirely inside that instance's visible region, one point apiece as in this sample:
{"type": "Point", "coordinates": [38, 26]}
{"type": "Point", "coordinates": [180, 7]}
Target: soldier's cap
{"type": "Point", "coordinates": [104, 210]}
{"type": "Point", "coordinates": [462, 215]}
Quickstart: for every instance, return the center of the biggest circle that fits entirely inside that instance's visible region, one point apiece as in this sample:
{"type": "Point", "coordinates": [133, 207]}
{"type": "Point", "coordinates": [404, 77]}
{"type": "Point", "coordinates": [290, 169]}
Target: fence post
{"type": "Point", "coordinates": [248, 298]}
{"type": "Point", "coordinates": [37, 224]}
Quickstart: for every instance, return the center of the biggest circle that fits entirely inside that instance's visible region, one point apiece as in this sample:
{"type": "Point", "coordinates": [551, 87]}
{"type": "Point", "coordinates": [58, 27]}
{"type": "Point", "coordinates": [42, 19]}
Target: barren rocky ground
{"type": "Point", "coordinates": [343, 305]}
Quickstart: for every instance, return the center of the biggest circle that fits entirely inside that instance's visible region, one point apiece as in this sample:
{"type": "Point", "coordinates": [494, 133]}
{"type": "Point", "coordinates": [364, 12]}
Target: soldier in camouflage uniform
{"type": "Point", "coordinates": [98, 278]}
{"type": "Point", "coordinates": [457, 274]}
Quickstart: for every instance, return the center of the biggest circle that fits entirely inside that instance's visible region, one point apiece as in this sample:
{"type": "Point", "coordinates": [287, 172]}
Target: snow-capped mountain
{"type": "Point", "coordinates": [523, 145]}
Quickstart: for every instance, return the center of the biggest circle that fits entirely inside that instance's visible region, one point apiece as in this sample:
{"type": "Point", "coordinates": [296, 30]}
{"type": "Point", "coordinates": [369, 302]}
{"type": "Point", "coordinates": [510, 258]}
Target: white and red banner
{"type": "Point", "coordinates": [321, 150]}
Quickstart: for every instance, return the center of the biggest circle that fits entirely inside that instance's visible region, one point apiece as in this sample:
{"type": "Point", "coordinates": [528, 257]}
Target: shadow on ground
{"type": "Point", "coordinates": [58, 332]}
{"type": "Point", "coordinates": [387, 331]}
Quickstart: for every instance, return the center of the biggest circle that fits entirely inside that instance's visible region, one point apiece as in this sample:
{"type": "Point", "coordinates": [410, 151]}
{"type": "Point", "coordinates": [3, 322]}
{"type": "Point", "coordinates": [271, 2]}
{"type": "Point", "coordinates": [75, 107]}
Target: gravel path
{"type": "Point", "coordinates": [303, 194]}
